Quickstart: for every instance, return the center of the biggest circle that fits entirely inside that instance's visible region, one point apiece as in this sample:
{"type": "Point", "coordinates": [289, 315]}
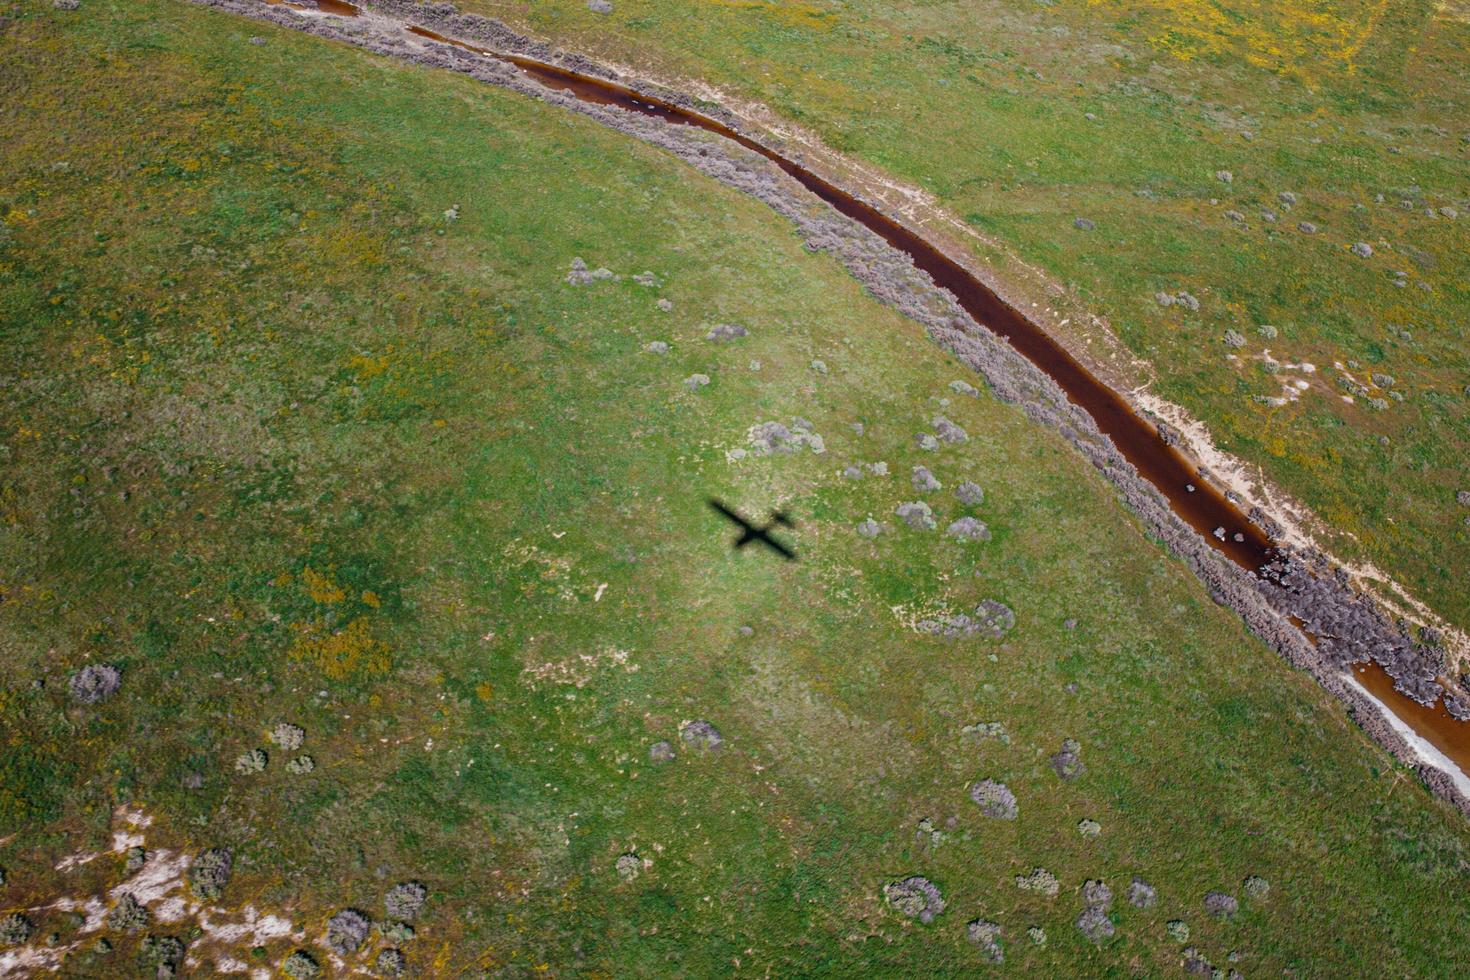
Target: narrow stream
{"type": "Point", "coordinates": [1191, 497]}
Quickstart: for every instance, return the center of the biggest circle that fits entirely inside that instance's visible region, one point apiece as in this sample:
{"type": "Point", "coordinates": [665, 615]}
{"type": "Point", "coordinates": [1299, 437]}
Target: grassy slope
{"type": "Point", "coordinates": [274, 427]}
{"type": "Point", "coordinates": [984, 105]}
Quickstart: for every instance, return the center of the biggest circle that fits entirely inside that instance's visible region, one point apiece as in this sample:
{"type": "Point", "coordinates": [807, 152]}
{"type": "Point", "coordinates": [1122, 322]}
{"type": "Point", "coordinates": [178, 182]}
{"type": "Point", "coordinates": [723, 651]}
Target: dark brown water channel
{"type": "Point", "coordinates": [1192, 498]}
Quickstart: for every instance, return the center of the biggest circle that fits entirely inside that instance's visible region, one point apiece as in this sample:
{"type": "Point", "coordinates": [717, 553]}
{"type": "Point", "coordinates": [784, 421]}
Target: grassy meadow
{"type": "Point", "coordinates": [1021, 117]}
{"type": "Point", "coordinates": [302, 422]}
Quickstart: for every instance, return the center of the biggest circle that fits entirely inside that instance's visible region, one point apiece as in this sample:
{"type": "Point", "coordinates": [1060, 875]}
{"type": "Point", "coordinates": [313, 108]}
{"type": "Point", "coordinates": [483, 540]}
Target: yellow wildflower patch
{"type": "Point", "coordinates": [323, 589]}
{"type": "Point", "coordinates": [350, 652]}
{"type": "Point", "coordinates": [1294, 37]}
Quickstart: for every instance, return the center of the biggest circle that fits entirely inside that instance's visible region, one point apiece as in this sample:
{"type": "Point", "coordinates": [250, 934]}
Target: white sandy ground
{"type": "Point", "coordinates": [1427, 753]}
{"type": "Point", "coordinates": [161, 885]}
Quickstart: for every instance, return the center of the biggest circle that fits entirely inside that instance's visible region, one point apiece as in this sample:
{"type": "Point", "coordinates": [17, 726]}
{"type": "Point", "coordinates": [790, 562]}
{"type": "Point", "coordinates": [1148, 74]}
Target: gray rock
{"type": "Point", "coordinates": [994, 799]}
{"type": "Point", "coordinates": [964, 388]}
{"type": "Point", "coordinates": [968, 529]}
{"type": "Point", "coordinates": [870, 528]}
{"type": "Point", "coordinates": [924, 481]}
{"type": "Point", "coordinates": [1306, 228]}
{"type": "Point", "coordinates": [1234, 339]}
{"type": "Point", "coordinates": [1083, 224]}
{"type": "Point", "coordinates": [917, 515]}
{"type": "Point", "coordinates": [660, 752]}
{"type": "Point", "coordinates": [696, 381]}
{"type": "Point", "coordinates": [970, 494]}
{"type": "Point", "coordinates": [599, 6]}
{"type": "Point", "coordinates": [701, 735]}
{"type": "Point", "coordinates": [656, 347]}
{"type": "Point", "coordinates": [819, 366]}
{"type": "Point", "coordinates": [1224, 176]}
{"type": "Point", "coordinates": [1363, 250]}
{"type": "Point", "coordinates": [1287, 199]}
{"type": "Point", "coordinates": [926, 442]}
{"type": "Point", "coordinates": [665, 305]}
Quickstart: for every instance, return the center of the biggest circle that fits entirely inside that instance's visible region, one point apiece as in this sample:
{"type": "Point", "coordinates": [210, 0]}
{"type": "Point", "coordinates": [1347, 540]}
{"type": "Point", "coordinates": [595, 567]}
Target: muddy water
{"type": "Point", "coordinates": [1192, 498]}
{"type": "Point", "coordinates": [1433, 724]}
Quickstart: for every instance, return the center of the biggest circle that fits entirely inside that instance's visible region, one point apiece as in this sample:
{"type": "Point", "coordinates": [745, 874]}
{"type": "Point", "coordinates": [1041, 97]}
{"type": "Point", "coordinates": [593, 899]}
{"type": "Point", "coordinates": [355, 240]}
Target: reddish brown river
{"type": "Point", "coordinates": [1192, 498]}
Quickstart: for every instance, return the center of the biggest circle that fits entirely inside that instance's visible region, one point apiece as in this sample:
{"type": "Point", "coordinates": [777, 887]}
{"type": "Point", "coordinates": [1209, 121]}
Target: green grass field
{"type": "Point", "coordinates": [285, 442]}
{"type": "Point", "coordinates": [1358, 107]}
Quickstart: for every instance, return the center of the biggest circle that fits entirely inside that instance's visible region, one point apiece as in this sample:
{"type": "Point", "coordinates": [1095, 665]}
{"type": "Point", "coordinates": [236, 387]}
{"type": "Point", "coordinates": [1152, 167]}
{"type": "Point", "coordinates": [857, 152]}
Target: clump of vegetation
{"type": "Point", "coordinates": [128, 915]}
{"type": "Point", "coordinates": [346, 931]}
{"type": "Point", "coordinates": [392, 963]}
{"type": "Point", "coordinates": [628, 866]}
{"type": "Point", "coordinates": [300, 966]}
{"type": "Point", "coordinates": [1037, 935]}
{"type": "Point", "coordinates": [133, 861]}
{"type": "Point", "coordinates": [288, 736]}
{"type": "Point", "coordinates": [252, 762]}
{"type": "Point", "coordinates": [404, 901]}
{"type": "Point", "coordinates": [1088, 827]}
{"type": "Point", "coordinates": [1220, 904]}
{"type": "Point", "coordinates": [396, 932]}
{"type": "Point", "coordinates": [163, 953]}
{"type": "Point", "coordinates": [701, 735]}
{"type": "Point", "coordinates": [95, 683]}
{"type": "Point", "coordinates": [301, 765]}
{"type": "Point", "coordinates": [1040, 881]}
{"type": "Point", "coordinates": [916, 897]}
{"type": "Point", "coordinates": [986, 935]}
{"type": "Point", "coordinates": [1141, 894]}
{"type": "Point", "coordinates": [210, 873]}
{"type": "Point", "coordinates": [1256, 887]}
{"type": "Point", "coordinates": [1068, 762]}
{"type": "Point", "coordinates": [1093, 922]}
{"type": "Point", "coordinates": [1177, 930]}
{"type": "Point", "coordinates": [994, 799]}
{"type": "Point", "coordinates": [15, 929]}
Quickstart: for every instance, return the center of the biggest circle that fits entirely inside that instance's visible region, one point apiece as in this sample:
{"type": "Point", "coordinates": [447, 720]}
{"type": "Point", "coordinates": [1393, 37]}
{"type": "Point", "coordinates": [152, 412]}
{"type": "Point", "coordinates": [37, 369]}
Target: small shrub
{"type": "Point", "coordinates": [252, 762]}
{"type": "Point", "coordinates": [346, 930]}
{"type": "Point", "coordinates": [134, 860]}
{"type": "Point", "coordinates": [915, 897]}
{"type": "Point", "coordinates": [1177, 930]}
{"type": "Point", "coordinates": [15, 929]}
{"type": "Point", "coordinates": [210, 873]}
{"type": "Point", "coordinates": [128, 915]}
{"type": "Point", "coordinates": [392, 963]}
{"type": "Point", "coordinates": [396, 932]}
{"type": "Point", "coordinates": [301, 765]}
{"type": "Point", "coordinates": [299, 965]}
{"type": "Point", "coordinates": [994, 799]}
{"type": "Point", "coordinates": [1040, 880]}
{"type": "Point", "coordinates": [403, 901]}
{"type": "Point", "coordinates": [95, 683]}
{"type": "Point", "coordinates": [288, 736]}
